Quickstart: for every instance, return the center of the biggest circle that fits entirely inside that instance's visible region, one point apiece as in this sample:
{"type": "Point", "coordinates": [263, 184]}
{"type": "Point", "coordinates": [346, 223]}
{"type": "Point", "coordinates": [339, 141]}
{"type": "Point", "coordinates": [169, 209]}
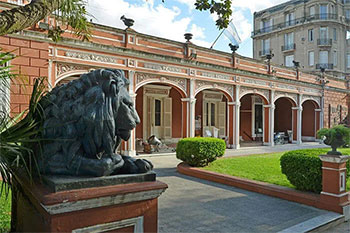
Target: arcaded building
{"type": "Point", "coordinates": [184, 90]}
{"type": "Point", "coordinates": [315, 33]}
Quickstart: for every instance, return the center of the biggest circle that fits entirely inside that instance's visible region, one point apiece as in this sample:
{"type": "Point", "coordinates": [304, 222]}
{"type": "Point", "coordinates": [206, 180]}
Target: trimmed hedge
{"type": "Point", "coordinates": [199, 152]}
{"type": "Point", "coordinates": [303, 168]}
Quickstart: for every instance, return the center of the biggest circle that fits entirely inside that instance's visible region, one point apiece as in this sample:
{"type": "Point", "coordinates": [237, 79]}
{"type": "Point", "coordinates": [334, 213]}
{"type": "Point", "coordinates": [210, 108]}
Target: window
{"type": "Point", "coordinates": [323, 57]}
{"type": "Point", "coordinates": [323, 11]}
{"type": "Point", "coordinates": [288, 39]}
{"type": "Point", "coordinates": [289, 19]}
{"type": "Point", "coordinates": [311, 34]}
{"type": "Point", "coordinates": [157, 112]}
{"type": "Point", "coordinates": [334, 34]}
{"type": "Point", "coordinates": [311, 58]}
{"type": "Point", "coordinates": [335, 58]}
{"type": "Point", "coordinates": [312, 11]}
{"type": "Point", "coordinates": [288, 60]}
{"type": "Point", "coordinates": [212, 113]}
{"type": "Point", "coordinates": [347, 14]}
{"type": "Point", "coordinates": [323, 33]}
{"type": "Point", "coordinates": [348, 61]}
{"type": "Point", "coordinates": [266, 25]}
{"type": "Point", "coordinates": [265, 47]}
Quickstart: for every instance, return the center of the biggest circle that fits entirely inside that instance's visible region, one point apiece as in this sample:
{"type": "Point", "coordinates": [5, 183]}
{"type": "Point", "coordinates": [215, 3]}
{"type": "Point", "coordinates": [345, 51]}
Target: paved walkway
{"type": "Point", "coordinates": [194, 205]}
{"type": "Point", "coordinates": [272, 149]}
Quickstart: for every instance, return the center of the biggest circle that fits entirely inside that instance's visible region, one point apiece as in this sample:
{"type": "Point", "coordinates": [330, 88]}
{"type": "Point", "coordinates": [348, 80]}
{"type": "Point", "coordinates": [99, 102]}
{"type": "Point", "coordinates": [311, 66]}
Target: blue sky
{"type": "Point", "coordinates": [173, 18]}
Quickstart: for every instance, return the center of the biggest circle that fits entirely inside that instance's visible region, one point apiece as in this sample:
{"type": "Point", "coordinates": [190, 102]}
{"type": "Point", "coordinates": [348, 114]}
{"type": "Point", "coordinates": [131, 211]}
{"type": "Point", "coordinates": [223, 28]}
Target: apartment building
{"type": "Point", "coordinates": [315, 33]}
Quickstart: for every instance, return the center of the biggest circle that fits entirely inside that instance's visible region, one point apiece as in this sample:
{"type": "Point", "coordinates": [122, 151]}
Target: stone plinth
{"type": "Point", "coordinates": [334, 182]}
{"type": "Point", "coordinates": [123, 203]}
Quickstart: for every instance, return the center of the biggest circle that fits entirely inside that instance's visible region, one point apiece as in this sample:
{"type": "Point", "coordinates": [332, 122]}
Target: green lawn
{"type": "Point", "coordinates": [5, 211]}
{"type": "Point", "coordinates": [264, 168]}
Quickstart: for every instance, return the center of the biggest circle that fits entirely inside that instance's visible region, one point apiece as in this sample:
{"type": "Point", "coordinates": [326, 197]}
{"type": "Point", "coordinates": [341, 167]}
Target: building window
{"type": "Point", "coordinates": [289, 19]}
{"type": "Point", "coordinates": [311, 34]}
{"type": "Point", "coordinates": [323, 57]}
{"type": "Point", "coordinates": [212, 114]}
{"type": "Point", "coordinates": [157, 112]}
{"type": "Point", "coordinates": [335, 58]}
{"type": "Point", "coordinates": [323, 33]}
{"type": "Point", "coordinates": [266, 25]}
{"type": "Point", "coordinates": [288, 39]}
{"type": "Point", "coordinates": [265, 47]}
{"type": "Point", "coordinates": [347, 14]}
{"type": "Point", "coordinates": [348, 61]}
{"type": "Point", "coordinates": [288, 60]}
{"type": "Point", "coordinates": [334, 34]}
{"type": "Point", "coordinates": [311, 58]}
{"type": "Point", "coordinates": [323, 12]}
{"type": "Point", "coordinates": [312, 11]}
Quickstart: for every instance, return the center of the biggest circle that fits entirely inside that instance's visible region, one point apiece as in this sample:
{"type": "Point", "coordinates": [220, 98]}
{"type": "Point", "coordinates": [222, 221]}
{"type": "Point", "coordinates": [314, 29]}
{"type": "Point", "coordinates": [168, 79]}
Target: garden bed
{"type": "Point", "coordinates": [265, 168]}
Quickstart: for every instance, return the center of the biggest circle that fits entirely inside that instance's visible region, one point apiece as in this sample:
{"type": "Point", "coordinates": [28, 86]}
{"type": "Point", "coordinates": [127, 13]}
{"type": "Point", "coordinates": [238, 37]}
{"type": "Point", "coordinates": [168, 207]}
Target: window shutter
{"type": "Point", "coordinates": [222, 119]}
{"type": "Point", "coordinates": [167, 117]}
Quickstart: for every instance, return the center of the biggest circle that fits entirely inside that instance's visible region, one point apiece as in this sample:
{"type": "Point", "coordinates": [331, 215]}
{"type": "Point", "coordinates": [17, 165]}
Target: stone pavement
{"type": "Point", "coordinates": [194, 205]}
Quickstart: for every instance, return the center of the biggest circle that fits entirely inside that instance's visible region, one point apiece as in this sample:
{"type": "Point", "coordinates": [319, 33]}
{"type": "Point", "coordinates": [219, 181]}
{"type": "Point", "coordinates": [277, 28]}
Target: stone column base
{"type": "Point", "coordinates": [123, 203]}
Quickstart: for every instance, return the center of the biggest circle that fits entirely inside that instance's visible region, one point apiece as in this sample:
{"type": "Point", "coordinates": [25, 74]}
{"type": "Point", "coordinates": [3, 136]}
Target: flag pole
{"type": "Point", "coordinates": [219, 35]}
{"type": "Point", "coordinates": [217, 38]}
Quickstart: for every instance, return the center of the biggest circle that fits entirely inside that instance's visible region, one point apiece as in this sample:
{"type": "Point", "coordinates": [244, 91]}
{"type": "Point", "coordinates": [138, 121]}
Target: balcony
{"type": "Point", "coordinates": [288, 47]}
{"type": "Point", "coordinates": [326, 66]}
{"type": "Point", "coordinates": [295, 22]}
{"type": "Point", "coordinates": [324, 42]}
{"type": "Point", "coordinates": [264, 52]}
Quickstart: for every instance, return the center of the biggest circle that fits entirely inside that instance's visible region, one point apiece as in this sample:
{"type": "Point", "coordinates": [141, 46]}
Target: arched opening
{"type": "Point", "coordinates": [211, 114]}
{"type": "Point", "coordinates": [310, 120]}
{"type": "Point", "coordinates": [66, 79]}
{"type": "Point", "coordinates": [161, 111]}
{"type": "Point", "coordinates": [284, 120]}
{"type": "Point", "coordinates": [253, 120]}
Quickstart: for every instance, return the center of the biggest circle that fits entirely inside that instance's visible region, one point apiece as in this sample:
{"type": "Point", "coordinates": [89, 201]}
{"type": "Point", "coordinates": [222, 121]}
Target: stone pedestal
{"type": "Point", "coordinates": [123, 203]}
{"type": "Point", "coordinates": [334, 183]}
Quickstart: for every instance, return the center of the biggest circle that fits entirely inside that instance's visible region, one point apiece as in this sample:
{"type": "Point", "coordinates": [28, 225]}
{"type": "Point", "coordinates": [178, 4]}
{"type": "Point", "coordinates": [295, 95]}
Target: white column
{"type": "Point", "coordinates": [192, 103]}
{"type": "Point", "coordinates": [322, 113]}
{"type": "Point", "coordinates": [299, 119]}
{"type": "Point", "coordinates": [272, 118]}
{"type": "Point", "coordinates": [131, 145]}
{"type": "Point", "coordinates": [236, 118]}
{"type": "Point", "coordinates": [192, 109]}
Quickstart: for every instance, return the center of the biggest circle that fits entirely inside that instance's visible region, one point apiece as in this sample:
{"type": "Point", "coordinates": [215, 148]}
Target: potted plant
{"type": "Point", "coordinates": [335, 137]}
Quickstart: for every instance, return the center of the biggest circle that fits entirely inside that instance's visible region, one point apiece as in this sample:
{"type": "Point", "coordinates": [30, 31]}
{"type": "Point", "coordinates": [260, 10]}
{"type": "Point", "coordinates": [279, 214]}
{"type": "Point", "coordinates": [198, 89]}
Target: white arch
{"type": "Point", "coordinates": [207, 87]}
{"type": "Point", "coordinates": [288, 97]}
{"type": "Point", "coordinates": [313, 99]}
{"type": "Point", "coordinates": [261, 95]}
{"type": "Point", "coordinates": [143, 83]}
{"type": "Point", "coordinates": [69, 74]}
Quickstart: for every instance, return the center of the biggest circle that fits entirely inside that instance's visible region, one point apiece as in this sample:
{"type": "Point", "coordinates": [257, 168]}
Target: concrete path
{"type": "Point", "coordinates": [272, 149]}
{"type": "Point", "coordinates": [194, 205]}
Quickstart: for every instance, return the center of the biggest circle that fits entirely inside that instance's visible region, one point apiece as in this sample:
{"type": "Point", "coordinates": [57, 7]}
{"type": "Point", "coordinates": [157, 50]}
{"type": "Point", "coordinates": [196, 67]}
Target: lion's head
{"type": "Point", "coordinates": [87, 117]}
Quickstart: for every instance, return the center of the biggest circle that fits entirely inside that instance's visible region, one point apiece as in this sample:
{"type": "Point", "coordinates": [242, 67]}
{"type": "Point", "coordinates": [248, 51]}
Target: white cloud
{"type": "Point", "coordinates": [149, 19]}
{"type": "Point", "coordinates": [189, 3]}
{"type": "Point", "coordinates": [256, 5]}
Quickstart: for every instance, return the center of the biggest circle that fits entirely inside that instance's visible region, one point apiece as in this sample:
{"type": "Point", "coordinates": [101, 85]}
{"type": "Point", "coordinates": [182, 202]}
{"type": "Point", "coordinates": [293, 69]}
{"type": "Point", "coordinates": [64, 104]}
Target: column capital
{"type": "Point", "coordinates": [191, 100]}
{"type": "Point", "coordinates": [272, 106]}
{"type": "Point", "coordinates": [234, 103]}
{"type": "Point", "coordinates": [297, 108]}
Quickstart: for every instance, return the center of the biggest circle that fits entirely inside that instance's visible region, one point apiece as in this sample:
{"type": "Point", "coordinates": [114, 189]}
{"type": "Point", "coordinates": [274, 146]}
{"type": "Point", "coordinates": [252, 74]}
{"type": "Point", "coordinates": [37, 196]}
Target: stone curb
{"type": "Point", "coordinates": [289, 194]}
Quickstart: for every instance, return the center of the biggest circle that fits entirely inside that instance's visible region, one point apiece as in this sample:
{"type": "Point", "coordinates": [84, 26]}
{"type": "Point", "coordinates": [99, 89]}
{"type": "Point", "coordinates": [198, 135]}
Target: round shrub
{"type": "Point", "coordinates": [199, 152]}
{"type": "Point", "coordinates": [303, 168]}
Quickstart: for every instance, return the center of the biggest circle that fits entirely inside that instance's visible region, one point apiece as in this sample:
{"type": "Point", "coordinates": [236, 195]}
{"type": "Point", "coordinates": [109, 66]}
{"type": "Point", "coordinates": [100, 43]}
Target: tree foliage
{"type": "Point", "coordinates": [73, 14]}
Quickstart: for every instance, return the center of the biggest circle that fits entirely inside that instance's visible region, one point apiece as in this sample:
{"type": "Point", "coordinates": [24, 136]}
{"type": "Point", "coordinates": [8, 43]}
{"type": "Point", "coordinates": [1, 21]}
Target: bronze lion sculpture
{"type": "Point", "coordinates": [84, 122]}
